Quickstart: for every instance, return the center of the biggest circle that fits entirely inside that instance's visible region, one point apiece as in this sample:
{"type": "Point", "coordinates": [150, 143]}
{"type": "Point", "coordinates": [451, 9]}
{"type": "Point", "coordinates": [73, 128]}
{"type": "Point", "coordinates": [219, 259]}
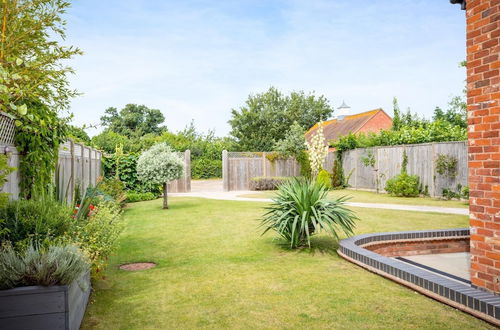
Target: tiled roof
{"type": "Point", "coordinates": [333, 129]}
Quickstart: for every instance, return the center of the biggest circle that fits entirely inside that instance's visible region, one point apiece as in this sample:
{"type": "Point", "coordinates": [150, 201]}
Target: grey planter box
{"type": "Point", "coordinates": [39, 307]}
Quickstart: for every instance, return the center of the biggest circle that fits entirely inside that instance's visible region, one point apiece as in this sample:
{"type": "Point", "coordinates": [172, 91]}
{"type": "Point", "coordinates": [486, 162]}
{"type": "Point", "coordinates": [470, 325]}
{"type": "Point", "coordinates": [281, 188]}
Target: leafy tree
{"type": "Point", "coordinates": [293, 143]}
{"type": "Point", "coordinates": [133, 120]}
{"type": "Point", "coordinates": [456, 113]}
{"type": "Point", "coordinates": [78, 134]}
{"type": "Point", "coordinates": [160, 165]}
{"type": "Point", "coordinates": [31, 58]}
{"type": "Point", "coordinates": [265, 118]}
{"type": "Point", "coordinates": [396, 120]}
{"type": "Point", "coordinates": [109, 140]}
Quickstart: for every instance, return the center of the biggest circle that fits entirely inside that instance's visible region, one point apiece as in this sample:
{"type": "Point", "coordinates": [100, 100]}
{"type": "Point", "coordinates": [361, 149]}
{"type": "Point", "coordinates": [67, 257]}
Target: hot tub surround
{"type": "Point", "coordinates": [459, 295]}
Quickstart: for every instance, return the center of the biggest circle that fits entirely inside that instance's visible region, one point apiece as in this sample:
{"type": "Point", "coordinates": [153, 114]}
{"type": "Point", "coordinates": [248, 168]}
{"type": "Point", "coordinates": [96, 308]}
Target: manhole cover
{"type": "Point", "coordinates": [137, 266]}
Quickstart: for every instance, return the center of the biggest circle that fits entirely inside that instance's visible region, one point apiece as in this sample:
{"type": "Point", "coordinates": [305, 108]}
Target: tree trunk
{"type": "Point", "coordinates": [165, 197]}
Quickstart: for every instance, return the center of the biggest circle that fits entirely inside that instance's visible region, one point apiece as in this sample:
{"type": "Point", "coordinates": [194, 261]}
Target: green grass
{"type": "Point", "coordinates": [361, 196]}
{"type": "Point", "coordinates": [216, 271]}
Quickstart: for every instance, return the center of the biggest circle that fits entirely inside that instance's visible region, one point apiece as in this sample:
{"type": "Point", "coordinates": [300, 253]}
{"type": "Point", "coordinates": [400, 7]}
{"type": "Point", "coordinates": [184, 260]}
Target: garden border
{"type": "Point", "coordinates": [44, 307]}
{"type": "Point", "coordinates": [479, 303]}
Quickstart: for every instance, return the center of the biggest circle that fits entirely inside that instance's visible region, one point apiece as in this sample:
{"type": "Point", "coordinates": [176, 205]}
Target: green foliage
{"type": "Point", "coordinates": [38, 138]}
{"type": "Point", "coordinates": [294, 142]}
{"type": "Point", "coordinates": [133, 120]}
{"type": "Point", "coordinates": [267, 183]}
{"type": "Point", "coordinates": [205, 168]}
{"type": "Point", "coordinates": [125, 166]}
{"type": "Point", "coordinates": [459, 193]}
{"type": "Point", "coordinates": [159, 164]}
{"type": "Point", "coordinates": [324, 178]}
{"type": "Point", "coordinates": [33, 64]}
{"type": "Point", "coordinates": [302, 209]}
{"type": "Point", "coordinates": [456, 114]}
{"type": "Point", "coordinates": [396, 120]}
{"type": "Point", "coordinates": [266, 118]}
{"type": "Point", "coordinates": [97, 235]}
{"type": "Point", "coordinates": [338, 179]}
{"type": "Point", "coordinates": [369, 159]}
{"type": "Point", "coordinates": [5, 170]}
{"type": "Point", "coordinates": [438, 131]}
{"type": "Point", "coordinates": [404, 163]}
{"type": "Point", "coordinates": [305, 164]}
{"type": "Point", "coordinates": [36, 221]}
{"type": "Point", "coordinates": [78, 134]}
{"type": "Point", "coordinates": [114, 188]}
{"type": "Point", "coordinates": [55, 265]}
{"type": "Point", "coordinates": [133, 196]}
{"type": "Point", "coordinates": [109, 140]}
{"type": "Point", "coordinates": [446, 165]}
{"type": "Point", "coordinates": [403, 185]}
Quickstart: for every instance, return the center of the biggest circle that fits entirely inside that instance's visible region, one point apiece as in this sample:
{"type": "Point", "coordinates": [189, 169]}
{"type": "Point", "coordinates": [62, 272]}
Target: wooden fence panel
{"type": "Point", "coordinates": [71, 169]}
{"type": "Point", "coordinates": [239, 168]}
{"type": "Point", "coordinates": [182, 184]}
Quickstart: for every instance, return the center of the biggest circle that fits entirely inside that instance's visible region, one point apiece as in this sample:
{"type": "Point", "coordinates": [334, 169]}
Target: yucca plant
{"type": "Point", "coordinates": [302, 209]}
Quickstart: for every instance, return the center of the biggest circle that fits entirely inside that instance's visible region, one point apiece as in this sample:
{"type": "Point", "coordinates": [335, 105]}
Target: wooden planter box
{"type": "Point", "coordinates": [39, 307]}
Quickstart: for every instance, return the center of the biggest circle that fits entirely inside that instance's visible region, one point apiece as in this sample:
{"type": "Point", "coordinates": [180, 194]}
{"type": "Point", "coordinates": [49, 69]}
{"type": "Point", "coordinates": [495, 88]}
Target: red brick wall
{"type": "Point", "coordinates": [412, 248]}
{"type": "Point", "coordinates": [483, 85]}
{"type": "Point", "coordinates": [379, 122]}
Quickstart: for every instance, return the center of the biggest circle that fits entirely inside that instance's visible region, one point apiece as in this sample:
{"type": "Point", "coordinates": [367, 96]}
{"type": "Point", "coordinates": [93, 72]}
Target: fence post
{"type": "Point", "coordinates": [225, 171]}
{"type": "Point", "coordinates": [187, 169]}
{"type": "Point", "coordinates": [70, 195]}
{"type": "Point", "coordinates": [264, 174]}
{"type": "Point", "coordinates": [433, 178]}
{"type": "Point", "coordinates": [90, 166]}
{"type": "Point", "coordinates": [82, 155]}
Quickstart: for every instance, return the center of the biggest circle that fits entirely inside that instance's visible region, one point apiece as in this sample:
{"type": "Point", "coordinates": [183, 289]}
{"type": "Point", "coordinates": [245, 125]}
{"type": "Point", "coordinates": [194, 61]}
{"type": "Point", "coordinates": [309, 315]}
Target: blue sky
{"type": "Point", "coordinates": [198, 59]}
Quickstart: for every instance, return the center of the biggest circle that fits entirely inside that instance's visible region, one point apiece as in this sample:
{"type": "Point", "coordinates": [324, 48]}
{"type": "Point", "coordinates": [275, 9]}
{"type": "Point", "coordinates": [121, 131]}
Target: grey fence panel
{"type": "Point", "coordinates": [239, 168]}
{"type": "Point", "coordinates": [72, 169]}
{"type": "Point", "coordinates": [183, 184]}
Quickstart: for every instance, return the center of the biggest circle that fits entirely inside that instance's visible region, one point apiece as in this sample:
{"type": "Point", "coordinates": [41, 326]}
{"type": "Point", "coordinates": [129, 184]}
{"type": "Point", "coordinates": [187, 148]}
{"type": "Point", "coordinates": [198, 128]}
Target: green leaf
{"type": "Point", "coordinates": [19, 61]}
{"type": "Point", "coordinates": [22, 109]}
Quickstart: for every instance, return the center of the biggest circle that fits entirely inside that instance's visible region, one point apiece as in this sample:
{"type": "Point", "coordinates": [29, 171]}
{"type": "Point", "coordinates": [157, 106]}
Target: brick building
{"type": "Point", "coordinates": [483, 107]}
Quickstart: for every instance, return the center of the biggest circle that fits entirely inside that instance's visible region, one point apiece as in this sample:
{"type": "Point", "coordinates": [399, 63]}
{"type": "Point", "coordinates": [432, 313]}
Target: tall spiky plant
{"type": "Point", "coordinates": [302, 208]}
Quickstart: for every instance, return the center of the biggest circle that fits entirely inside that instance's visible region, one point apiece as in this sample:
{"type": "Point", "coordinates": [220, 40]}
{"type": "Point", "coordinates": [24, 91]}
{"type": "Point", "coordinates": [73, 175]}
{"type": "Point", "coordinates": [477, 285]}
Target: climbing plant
{"type": "Point", "coordinates": [446, 165]}
{"type": "Point", "coordinates": [38, 137]}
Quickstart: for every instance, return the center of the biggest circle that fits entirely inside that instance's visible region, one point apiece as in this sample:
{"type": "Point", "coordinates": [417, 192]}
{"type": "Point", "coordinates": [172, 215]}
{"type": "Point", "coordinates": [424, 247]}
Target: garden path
{"type": "Point", "coordinates": [215, 193]}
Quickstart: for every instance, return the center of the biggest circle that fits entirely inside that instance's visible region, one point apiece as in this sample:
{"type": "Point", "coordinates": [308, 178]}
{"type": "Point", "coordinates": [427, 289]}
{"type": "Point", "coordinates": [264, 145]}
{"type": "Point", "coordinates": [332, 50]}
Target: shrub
{"type": "Point", "coordinates": [302, 209]}
{"type": "Point", "coordinates": [205, 168]}
{"type": "Point", "coordinates": [97, 235]}
{"type": "Point", "coordinates": [403, 185]}
{"type": "Point", "coordinates": [267, 183]}
{"type": "Point", "coordinates": [36, 221]}
{"type": "Point", "coordinates": [133, 196]}
{"type": "Point", "coordinates": [465, 192]}
{"type": "Point", "coordinates": [325, 179]}
{"type": "Point", "coordinates": [55, 265]}
{"type": "Point", "coordinates": [114, 188]}
{"type": "Point", "coordinates": [338, 180]}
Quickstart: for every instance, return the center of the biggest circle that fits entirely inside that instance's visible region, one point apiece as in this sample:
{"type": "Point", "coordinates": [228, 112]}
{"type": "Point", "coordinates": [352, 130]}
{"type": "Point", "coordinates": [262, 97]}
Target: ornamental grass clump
{"type": "Point", "coordinates": [302, 209]}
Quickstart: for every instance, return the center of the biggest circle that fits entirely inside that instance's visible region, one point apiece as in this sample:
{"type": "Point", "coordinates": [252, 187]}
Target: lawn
{"type": "Point", "coordinates": [362, 196]}
{"type": "Point", "coordinates": [215, 270]}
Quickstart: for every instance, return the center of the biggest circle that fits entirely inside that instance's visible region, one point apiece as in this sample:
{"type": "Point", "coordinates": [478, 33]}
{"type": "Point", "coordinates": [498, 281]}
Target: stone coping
{"type": "Point", "coordinates": [480, 303]}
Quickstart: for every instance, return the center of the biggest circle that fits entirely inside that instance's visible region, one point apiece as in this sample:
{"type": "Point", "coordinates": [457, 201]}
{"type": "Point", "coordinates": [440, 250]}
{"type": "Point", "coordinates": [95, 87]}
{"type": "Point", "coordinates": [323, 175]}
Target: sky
{"type": "Point", "coordinates": [196, 60]}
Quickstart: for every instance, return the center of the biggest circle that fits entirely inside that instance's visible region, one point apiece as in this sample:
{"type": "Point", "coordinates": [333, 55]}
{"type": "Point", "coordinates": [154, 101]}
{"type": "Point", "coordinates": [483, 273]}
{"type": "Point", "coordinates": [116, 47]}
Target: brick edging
{"type": "Point", "coordinates": [479, 303]}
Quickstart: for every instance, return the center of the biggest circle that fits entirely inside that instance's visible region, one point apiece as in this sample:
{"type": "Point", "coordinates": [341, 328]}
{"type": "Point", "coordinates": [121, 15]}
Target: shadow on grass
{"type": "Point", "coordinates": [319, 244]}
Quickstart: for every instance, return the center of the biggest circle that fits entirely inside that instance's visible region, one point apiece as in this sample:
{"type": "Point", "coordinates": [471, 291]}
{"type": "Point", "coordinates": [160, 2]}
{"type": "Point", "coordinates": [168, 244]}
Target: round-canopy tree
{"type": "Point", "coordinates": [160, 165]}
